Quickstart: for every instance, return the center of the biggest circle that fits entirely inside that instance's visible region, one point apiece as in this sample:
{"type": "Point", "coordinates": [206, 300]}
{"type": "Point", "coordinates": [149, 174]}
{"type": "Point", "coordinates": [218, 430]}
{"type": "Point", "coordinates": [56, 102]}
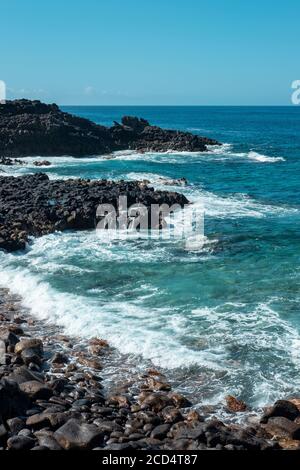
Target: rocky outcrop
{"type": "Point", "coordinates": [42, 163]}
{"type": "Point", "coordinates": [33, 205]}
{"type": "Point", "coordinates": [138, 134]}
{"type": "Point", "coordinates": [6, 161]}
{"type": "Point", "coordinates": [34, 128]}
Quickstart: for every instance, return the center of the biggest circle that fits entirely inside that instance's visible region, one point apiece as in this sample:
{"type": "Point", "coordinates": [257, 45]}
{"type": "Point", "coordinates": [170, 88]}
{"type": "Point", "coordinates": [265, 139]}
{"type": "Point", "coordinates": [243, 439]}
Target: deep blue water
{"type": "Point", "coordinates": [225, 319]}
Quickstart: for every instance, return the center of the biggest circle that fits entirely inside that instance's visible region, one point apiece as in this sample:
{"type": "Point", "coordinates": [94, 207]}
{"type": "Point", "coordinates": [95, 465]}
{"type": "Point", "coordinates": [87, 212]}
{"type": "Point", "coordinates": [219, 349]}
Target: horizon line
{"type": "Point", "coordinates": [187, 105]}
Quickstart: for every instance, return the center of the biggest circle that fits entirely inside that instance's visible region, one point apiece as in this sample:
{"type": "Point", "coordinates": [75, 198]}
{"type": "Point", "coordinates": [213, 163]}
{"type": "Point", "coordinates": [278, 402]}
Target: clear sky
{"type": "Point", "coordinates": [194, 52]}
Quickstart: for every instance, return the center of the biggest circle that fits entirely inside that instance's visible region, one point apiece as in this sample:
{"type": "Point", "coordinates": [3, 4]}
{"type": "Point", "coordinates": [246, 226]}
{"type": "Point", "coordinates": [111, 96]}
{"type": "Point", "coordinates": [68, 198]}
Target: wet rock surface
{"type": "Point", "coordinates": [235, 405]}
{"type": "Point", "coordinates": [6, 161]}
{"type": "Point", "coordinates": [34, 128]}
{"type": "Point", "coordinates": [67, 408]}
{"type": "Point", "coordinates": [33, 205]}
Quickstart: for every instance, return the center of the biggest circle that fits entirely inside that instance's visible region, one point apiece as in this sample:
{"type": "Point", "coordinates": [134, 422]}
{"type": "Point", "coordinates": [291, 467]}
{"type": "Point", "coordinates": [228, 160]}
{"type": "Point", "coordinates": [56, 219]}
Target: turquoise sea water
{"type": "Point", "coordinates": [225, 319]}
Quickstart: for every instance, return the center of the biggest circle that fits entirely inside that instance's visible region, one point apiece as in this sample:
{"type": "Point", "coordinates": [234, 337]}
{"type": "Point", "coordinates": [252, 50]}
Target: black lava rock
{"type": "Point", "coordinates": [34, 128]}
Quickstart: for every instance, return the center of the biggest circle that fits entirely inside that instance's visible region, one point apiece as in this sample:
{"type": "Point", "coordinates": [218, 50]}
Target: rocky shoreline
{"type": "Point", "coordinates": [32, 128]}
{"type": "Point", "coordinates": [52, 398]}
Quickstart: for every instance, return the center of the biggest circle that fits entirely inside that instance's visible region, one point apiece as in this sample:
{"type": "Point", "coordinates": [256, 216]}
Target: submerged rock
{"type": "Point", "coordinates": [173, 182]}
{"type": "Point", "coordinates": [42, 163]}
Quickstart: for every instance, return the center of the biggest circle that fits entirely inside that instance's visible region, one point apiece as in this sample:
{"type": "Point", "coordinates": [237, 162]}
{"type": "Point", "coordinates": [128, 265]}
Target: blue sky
{"type": "Point", "coordinates": [194, 52]}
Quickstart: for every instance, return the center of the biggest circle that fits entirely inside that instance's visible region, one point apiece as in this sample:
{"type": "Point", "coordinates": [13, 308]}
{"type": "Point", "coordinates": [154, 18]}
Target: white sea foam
{"type": "Point", "coordinates": [218, 149]}
{"type": "Point", "coordinates": [167, 336]}
{"type": "Point", "coordinates": [154, 178]}
{"type": "Point", "coordinates": [264, 158]}
{"type": "Point", "coordinates": [237, 205]}
{"type": "Point", "coordinates": [127, 326]}
{"type": "Point", "coordinates": [215, 153]}
{"type": "Point", "coordinates": [226, 150]}
{"type": "Point", "coordinates": [63, 159]}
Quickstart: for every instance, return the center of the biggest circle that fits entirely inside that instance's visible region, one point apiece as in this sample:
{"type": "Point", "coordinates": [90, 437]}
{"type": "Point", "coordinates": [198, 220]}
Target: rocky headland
{"type": "Point", "coordinates": [34, 128]}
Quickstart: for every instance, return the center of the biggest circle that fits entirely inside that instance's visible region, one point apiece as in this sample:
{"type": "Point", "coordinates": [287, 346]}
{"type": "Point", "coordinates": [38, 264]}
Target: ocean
{"type": "Point", "coordinates": [221, 320]}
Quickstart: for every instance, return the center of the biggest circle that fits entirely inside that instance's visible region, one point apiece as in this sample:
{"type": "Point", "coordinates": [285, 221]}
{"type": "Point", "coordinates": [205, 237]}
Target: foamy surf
{"type": "Point", "coordinates": [218, 149]}
{"type": "Point", "coordinates": [99, 165]}
{"type": "Point", "coordinates": [167, 337]}
{"type": "Point", "coordinates": [226, 150]}
{"type": "Point", "coordinates": [264, 158]}
{"type": "Point", "coordinates": [212, 204]}
{"type": "Point", "coordinates": [114, 321]}
{"type": "Point", "coordinates": [239, 205]}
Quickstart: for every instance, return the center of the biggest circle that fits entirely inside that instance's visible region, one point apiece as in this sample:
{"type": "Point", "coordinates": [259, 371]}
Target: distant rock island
{"type": "Point", "coordinates": [31, 128]}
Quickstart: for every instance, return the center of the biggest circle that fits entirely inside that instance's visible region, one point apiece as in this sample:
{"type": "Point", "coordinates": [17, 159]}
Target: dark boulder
{"type": "Point", "coordinates": [3, 433]}
{"type": "Point", "coordinates": [32, 343]}
{"type": "Point", "coordinates": [23, 374]}
{"type": "Point", "coordinates": [59, 358]}
{"type": "Point", "coordinates": [78, 435]}
{"type": "Point", "coordinates": [8, 337]}
{"type": "Point", "coordinates": [171, 415]}
{"type": "Point", "coordinates": [283, 408]}
{"type": "Point", "coordinates": [20, 443]}
{"type": "Point", "coordinates": [184, 430]}
{"type": "Point", "coordinates": [160, 432]}
{"type": "Point", "coordinates": [38, 421]}
{"type": "Point", "coordinates": [36, 390]}
{"type": "Point", "coordinates": [13, 402]}
{"type": "Point", "coordinates": [15, 425]}
{"type": "Point", "coordinates": [155, 401]}
{"type": "Point", "coordinates": [281, 427]}
{"type": "Point", "coordinates": [46, 439]}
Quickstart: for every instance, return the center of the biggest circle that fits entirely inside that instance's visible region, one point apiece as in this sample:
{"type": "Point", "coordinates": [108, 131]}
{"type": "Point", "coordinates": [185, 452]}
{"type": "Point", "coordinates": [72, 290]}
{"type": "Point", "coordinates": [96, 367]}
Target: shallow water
{"type": "Point", "coordinates": [224, 319]}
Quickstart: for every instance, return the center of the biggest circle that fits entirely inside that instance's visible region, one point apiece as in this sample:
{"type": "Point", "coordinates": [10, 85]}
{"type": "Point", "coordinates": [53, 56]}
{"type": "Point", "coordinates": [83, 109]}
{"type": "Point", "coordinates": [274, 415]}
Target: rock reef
{"type": "Point", "coordinates": [34, 128]}
{"type": "Point", "coordinates": [33, 205]}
